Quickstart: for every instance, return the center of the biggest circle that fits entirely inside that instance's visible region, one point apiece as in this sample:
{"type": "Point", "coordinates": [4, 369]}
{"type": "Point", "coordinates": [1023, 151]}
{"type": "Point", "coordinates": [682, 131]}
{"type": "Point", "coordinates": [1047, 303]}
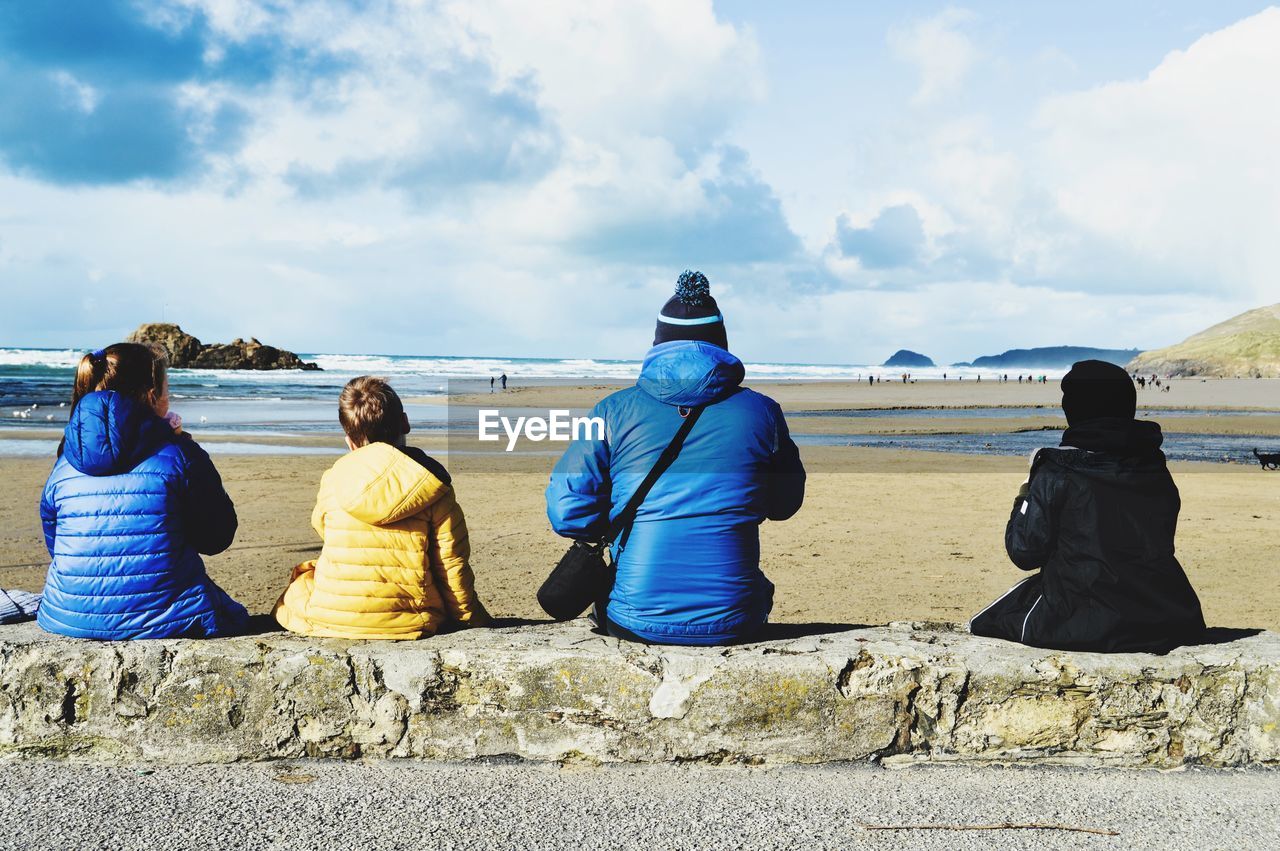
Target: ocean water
{"type": "Point", "coordinates": [35, 389]}
{"type": "Point", "coordinates": [35, 448]}
{"type": "Point", "coordinates": [1011, 413]}
{"type": "Point", "coordinates": [44, 375]}
{"type": "Point", "coordinates": [1219, 448]}
{"type": "Point", "coordinates": [241, 400]}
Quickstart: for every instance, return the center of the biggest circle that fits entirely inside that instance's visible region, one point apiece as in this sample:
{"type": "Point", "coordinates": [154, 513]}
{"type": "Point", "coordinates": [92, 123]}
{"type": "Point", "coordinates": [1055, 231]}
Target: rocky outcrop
{"type": "Point", "coordinates": [903, 693]}
{"type": "Point", "coordinates": [186, 352]}
{"type": "Point", "coordinates": [906, 357]}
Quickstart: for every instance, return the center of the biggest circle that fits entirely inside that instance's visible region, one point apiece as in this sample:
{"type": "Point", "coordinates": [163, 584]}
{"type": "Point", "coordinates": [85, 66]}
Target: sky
{"type": "Point", "coordinates": [494, 177]}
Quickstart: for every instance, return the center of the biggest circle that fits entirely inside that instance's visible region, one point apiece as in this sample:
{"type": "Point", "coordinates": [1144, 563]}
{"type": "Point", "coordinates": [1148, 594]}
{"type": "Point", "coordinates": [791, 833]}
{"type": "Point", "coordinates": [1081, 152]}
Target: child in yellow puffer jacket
{"type": "Point", "coordinates": [395, 557]}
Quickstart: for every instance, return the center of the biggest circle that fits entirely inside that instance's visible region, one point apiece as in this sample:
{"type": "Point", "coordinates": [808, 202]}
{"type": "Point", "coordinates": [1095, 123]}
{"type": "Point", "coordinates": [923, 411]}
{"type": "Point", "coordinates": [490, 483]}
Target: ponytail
{"type": "Point", "coordinates": [88, 375]}
{"type": "Point", "coordinates": [130, 369]}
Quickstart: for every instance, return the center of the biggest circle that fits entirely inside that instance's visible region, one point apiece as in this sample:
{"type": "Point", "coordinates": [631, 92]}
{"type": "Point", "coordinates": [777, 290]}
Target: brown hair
{"type": "Point", "coordinates": [130, 369]}
{"type": "Point", "coordinates": [370, 411]}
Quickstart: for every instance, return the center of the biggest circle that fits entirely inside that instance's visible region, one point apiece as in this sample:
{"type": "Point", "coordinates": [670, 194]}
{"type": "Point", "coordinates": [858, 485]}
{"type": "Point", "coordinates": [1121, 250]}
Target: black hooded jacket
{"type": "Point", "coordinates": [1098, 521]}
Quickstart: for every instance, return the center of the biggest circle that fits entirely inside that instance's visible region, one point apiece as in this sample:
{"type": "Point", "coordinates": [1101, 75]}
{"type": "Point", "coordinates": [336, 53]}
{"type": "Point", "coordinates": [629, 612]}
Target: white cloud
{"type": "Point", "coordinates": [1180, 168]}
{"type": "Point", "coordinates": [82, 94]}
{"type": "Point", "coordinates": [953, 321]}
{"type": "Point", "coordinates": [376, 206]}
{"type": "Point", "coordinates": [1164, 184]}
{"type": "Point", "coordinates": [617, 69]}
{"type": "Point", "coordinates": [511, 178]}
{"type": "Point", "coordinates": [939, 48]}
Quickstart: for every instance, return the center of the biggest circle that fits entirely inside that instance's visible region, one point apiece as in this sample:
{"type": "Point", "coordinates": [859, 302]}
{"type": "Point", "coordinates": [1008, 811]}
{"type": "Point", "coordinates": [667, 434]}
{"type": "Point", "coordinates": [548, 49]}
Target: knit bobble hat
{"type": "Point", "coordinates": [691, 314]}
{"type": "Point", "coordinates": [1095, 389]}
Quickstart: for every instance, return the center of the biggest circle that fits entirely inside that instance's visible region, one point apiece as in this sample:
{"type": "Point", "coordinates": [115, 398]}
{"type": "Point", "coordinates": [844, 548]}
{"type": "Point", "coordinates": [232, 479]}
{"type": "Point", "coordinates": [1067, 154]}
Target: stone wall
{"type": "Point", "coordinates": [902, 693]}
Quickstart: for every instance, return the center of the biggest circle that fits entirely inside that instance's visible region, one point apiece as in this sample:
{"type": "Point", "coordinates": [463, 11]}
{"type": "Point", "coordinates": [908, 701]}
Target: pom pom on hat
{"type": "Point", "coordinates": [693, 288]}
{"type": "Point", "coordinates": [691, 314]}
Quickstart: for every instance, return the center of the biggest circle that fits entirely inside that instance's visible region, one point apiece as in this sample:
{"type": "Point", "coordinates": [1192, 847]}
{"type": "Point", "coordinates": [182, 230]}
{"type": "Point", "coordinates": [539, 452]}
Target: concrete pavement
{"type": "Point", "coordinates": [389, 804]}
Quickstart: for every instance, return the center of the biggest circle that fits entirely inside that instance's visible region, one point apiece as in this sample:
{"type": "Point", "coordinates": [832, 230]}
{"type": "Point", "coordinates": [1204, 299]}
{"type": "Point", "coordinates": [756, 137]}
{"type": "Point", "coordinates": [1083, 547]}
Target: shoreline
{"type": "Point", "coordinates": [1219, 417]}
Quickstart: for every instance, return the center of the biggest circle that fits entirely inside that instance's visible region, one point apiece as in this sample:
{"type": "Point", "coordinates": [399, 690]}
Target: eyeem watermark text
{"type": "Point", "coordinates": [558, 425]}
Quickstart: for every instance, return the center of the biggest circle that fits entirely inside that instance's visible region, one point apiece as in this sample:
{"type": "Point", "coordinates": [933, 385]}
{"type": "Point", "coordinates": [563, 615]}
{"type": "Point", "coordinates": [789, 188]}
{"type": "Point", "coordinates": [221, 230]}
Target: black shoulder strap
{"type": "Point", "coordinates": [669, 455]}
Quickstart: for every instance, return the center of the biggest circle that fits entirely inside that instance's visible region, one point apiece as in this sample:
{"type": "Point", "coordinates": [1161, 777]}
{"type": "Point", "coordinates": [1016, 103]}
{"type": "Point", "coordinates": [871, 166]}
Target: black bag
{"type": "Point", "coordinates": [583, 577]}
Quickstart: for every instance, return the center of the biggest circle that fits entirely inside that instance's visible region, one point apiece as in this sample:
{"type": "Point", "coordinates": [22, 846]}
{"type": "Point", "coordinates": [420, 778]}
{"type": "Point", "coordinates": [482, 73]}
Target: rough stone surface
{"type": "Point", "coordinates": [902, 693]}
{"type": "Point", "coordinates": [186, 352]}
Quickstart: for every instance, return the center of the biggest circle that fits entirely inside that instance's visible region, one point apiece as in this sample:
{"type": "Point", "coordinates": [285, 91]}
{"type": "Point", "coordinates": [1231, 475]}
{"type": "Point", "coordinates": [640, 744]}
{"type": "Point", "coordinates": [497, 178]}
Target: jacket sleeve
{"type": "Point", "coordinates": [1032, 533]}
{"type": "Point", "coordinates": [786, 476]}
{"type": "Point", "coordinates": [317, 513]}
{"type": "Point", "coordinates": [49, 517]}
{"type": "Point", "coordinates": [580, 493]}
{"type": "Point", "coordinates": [450, 561]}
{"type": "Point", "coordinates": [209, 513]}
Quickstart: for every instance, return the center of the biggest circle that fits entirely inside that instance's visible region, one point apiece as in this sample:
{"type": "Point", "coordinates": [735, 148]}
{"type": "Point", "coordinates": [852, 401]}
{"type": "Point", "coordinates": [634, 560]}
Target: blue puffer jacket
{"type": "Point", "coordinates": [689, 572]}
{"type": "Point", "coordinates": [127, 510]}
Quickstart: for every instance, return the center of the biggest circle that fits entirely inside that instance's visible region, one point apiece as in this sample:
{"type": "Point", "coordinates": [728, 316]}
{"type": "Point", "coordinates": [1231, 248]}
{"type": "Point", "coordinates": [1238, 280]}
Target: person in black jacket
{"type": "Point", "coordinates": [1097, 518]}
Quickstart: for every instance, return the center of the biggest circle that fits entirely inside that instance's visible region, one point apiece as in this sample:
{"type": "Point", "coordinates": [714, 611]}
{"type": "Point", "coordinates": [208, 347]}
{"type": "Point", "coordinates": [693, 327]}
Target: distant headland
{"type": "Point", "coordinates": [1245, 346]}
{"type": "Point", "coordinates": [1052, 357]}
{"type": "Point", "coordinates": [186, 352]}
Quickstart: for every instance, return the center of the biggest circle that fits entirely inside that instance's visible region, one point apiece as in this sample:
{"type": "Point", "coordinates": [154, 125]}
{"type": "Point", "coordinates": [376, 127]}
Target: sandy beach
{"type": "Point", "coordinates": [884, 535]}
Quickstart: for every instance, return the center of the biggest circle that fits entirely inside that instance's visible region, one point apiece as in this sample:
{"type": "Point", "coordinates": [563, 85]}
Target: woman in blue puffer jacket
{"type": "Point", "coordinates": [689, 572]}
{"type": "Point", "coordinates": [128, 508]}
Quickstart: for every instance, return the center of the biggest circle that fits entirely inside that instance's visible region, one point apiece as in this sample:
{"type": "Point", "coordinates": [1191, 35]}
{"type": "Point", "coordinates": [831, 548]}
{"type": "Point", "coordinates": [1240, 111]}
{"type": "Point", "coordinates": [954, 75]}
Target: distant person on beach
{"type": "Point", "coordinates": [688, 566]}
{"type": "Point", "coordinates": [871, 381]}
{"type": "Point", "coordinates": [131, 504]}
{"type": "Point", "coordinates": [504, 381]}
{"type": "Point", "coordinates": [491, 380]}
{"type": "Point", "coordinates": [395, 559]}
{"type": "Point", "coordinates": [1097, 518]}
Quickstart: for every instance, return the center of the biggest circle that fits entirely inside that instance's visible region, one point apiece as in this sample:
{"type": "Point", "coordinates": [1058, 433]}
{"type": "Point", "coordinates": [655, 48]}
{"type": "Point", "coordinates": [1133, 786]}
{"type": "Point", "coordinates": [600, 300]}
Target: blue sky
{"type": "Point", "coordinates": [504, 178]}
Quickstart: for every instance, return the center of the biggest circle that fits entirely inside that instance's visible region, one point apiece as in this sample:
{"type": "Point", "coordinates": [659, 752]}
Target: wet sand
{"type": "Point", "coordinates": [885, 535]}
{"type": "Point", "coordinates": [1262, 394]}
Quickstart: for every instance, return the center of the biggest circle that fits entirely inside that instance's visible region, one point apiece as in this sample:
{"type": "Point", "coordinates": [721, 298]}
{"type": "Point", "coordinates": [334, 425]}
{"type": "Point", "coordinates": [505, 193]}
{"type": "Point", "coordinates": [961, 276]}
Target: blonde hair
{"type": "Point", "coordinates": [370, 411]}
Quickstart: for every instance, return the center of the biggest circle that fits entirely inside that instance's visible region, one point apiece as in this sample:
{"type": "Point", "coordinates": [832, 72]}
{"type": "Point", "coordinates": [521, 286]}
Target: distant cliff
{"type": "Point", "coordinates": [1053, 357]}
{"type": "Point", "coordinates": [1245, 346]}
{"type": "Point", "coordinates": [186, 352]}
{"type": "Point", "coordinates": [905, 357]}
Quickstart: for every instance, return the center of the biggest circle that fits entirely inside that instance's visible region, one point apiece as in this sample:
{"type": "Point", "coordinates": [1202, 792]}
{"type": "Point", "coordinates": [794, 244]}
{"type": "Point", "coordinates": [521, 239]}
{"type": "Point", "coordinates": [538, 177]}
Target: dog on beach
{"type": "Point", "coordinates": [1270, 461]}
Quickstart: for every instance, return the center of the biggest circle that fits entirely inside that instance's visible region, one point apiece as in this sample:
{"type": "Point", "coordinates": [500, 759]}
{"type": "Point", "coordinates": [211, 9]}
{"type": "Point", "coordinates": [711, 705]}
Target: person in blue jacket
{"type": "Point", "coordinates": [130, 505]}
{"type": "Point", "coordinates": [688, 571]}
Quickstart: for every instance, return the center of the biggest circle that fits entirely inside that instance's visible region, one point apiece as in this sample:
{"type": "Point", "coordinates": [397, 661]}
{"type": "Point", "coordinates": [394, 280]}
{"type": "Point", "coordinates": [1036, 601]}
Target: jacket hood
{"type": "Point", "coordinates": [1133, 438]}
{"type": "Point", "coordinates": [109, 433]}
{"type": "Point", "coordinates": [378, 484]}
{"type": "Point", "coordinates": [688, 372]}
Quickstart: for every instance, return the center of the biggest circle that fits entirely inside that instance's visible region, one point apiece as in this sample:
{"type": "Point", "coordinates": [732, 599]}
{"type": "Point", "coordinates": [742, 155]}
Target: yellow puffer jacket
{"type": "Point", "coordinates": [394, 561]}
